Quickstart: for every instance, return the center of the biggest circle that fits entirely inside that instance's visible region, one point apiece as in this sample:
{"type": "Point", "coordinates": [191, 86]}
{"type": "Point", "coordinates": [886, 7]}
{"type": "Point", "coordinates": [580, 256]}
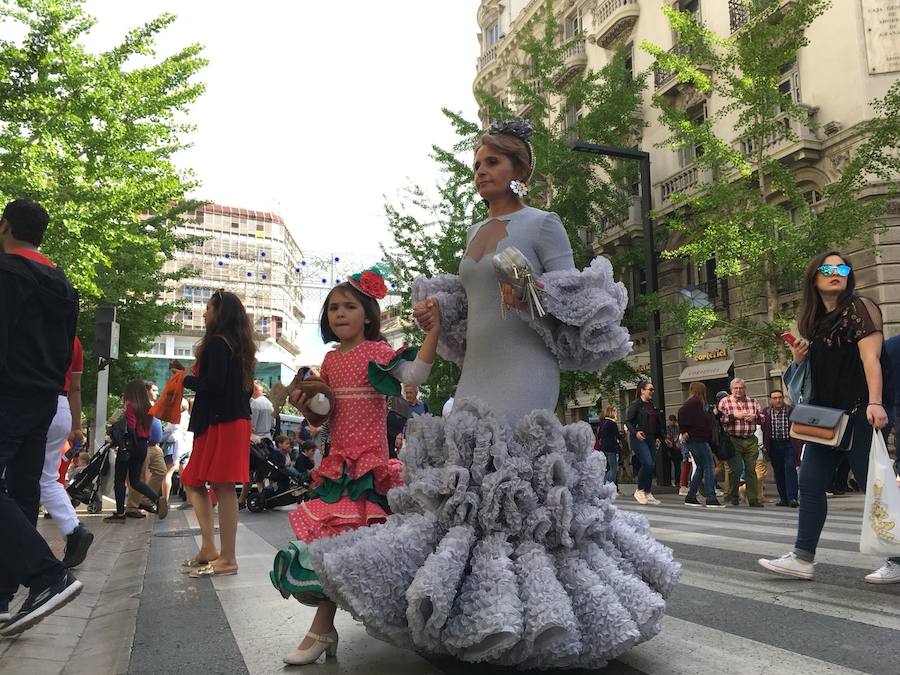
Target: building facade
{"type": "Point", "coordinates": [254, 255]}
{"type": "Point", "coordinates": [851, 60]}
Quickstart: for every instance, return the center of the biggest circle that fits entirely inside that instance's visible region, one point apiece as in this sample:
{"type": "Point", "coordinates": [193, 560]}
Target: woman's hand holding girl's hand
{"type": "Point", "coordinates": [800, 350]}
{"type": "Point", "coordinates": [298, 399]}
{"type": "Point", "coordinates": [876, 415]}
{"type": "Point", "coordinates": [427, 313]}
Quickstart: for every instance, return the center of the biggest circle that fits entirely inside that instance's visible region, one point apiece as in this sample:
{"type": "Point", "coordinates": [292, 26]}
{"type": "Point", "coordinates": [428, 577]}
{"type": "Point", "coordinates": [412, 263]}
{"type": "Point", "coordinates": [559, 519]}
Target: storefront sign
{"type": "Point", "coordinates": [720, 353]}
{"type": "Point", "coordinates": [881, 25]}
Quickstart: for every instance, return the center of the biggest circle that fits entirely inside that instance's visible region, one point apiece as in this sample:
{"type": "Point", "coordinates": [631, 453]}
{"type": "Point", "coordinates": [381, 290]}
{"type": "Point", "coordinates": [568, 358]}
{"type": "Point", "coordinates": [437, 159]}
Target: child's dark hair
{"type": "Point", "coordinates": [281, 439]}
{"type": "Point", "coordinates": [370, 306]}
{"type": "Point", "coordinates": [307, 445]}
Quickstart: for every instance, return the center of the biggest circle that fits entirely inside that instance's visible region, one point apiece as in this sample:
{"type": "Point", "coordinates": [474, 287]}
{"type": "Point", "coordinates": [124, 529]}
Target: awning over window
{"type": "Point", "coordinates": [708, 370]}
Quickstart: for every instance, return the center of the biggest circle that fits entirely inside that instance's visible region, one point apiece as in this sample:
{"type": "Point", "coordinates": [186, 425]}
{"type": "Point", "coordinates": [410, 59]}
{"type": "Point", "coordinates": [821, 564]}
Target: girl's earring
{"type": "Point", "coordinates": [518, 188]}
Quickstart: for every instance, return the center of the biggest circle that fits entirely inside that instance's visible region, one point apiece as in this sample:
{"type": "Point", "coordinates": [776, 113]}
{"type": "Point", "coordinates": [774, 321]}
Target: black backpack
{"type": "Point", "coordinates": [722, 445]}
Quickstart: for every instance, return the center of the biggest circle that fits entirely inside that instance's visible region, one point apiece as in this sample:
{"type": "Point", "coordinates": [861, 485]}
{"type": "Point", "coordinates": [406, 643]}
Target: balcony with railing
{"type": "Point", "coordinates": [522, 103]}
{"type": "Point", "coordinates": [738, 14]}
{"type": "Point", "coordinates": [623, 232]}
{"type": "Point", "coordinates": [614, 20]}
{"type": "Point", "coordinates": [574, 58]}
{"type": "Point", "coordinates": [665, 81]}
{"type": "Point", "coordinates": [685, 181]}
{"type": "Point", "coordinates": [489, 56]}
{"type": "Point", "coordinates": [795, 140]}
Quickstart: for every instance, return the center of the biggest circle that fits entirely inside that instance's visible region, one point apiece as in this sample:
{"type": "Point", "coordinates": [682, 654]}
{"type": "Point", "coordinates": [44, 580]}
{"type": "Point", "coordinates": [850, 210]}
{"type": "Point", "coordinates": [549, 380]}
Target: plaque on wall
{"type": "Point", "coordinates": [881, 24]}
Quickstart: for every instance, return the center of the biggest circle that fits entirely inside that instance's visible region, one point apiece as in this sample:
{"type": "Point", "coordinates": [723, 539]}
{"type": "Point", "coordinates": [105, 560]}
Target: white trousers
{"type": "Point", "coordinates": [53, 495]}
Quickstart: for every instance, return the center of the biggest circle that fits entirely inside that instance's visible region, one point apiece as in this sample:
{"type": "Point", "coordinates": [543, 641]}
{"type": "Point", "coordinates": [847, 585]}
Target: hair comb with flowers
{"type": "Point", "coordinates": [370, 281]}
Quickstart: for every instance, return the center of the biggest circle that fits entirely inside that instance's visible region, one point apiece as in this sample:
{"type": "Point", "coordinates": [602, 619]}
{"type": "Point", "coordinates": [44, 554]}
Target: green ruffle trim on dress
{"type": "Point", "coordinates": [380, 377]}
{"type": "Point", "coordinates": [330, 491]}
{"type": "Point", "coordinates": [292, 575]}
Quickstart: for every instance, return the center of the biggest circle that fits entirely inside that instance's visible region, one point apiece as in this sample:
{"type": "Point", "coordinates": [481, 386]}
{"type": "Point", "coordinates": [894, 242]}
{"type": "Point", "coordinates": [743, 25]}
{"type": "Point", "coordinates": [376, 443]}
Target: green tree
{"type": "Point", "coordinates": [91, 137]}
{"type": "Point", "coordinates": [753, 218]}
{"type": "Point", "coordinates": [587, 191]}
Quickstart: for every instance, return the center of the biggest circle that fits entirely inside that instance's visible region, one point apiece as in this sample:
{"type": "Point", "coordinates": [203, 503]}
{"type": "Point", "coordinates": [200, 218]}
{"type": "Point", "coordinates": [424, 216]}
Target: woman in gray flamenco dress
{"type": "Point", "coordinates": [505, 545]}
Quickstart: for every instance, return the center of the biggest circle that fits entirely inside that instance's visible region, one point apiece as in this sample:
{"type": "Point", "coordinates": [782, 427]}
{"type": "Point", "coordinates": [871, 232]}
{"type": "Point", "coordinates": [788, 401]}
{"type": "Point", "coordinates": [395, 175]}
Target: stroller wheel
{"type": "Point", "coordinates": [255, 503]}
{"type": "Point", "coordinates": [96, 506]}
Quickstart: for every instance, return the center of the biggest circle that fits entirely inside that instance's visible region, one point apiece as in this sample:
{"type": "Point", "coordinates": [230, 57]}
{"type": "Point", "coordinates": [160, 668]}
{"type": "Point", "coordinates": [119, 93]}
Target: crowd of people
{"type": "Point", "coordinates": [718, 446]}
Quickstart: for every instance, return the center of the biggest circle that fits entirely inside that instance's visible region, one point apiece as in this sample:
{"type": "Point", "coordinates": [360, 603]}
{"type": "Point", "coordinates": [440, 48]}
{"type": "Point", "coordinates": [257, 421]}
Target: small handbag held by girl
{"type": "Point", "coordinates": [818, 424]}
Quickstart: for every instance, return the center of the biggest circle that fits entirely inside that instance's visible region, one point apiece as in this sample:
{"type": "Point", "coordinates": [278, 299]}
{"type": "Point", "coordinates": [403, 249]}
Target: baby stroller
{"type": "Point", "coordinates": [87, 486]}
{"type": "Point", "coordinates": [283, 489]}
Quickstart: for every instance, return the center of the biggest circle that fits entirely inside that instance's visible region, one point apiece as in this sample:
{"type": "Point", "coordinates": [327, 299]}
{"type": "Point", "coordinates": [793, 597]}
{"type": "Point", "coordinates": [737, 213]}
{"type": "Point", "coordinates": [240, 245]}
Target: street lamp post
{"type": "Point", "coordinates": [653, 325]}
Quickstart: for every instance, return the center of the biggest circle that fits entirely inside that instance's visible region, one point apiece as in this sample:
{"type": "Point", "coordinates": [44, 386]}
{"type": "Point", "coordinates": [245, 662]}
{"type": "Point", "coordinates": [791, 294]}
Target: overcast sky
{"type": "Point", "coordinates": [316, 110]}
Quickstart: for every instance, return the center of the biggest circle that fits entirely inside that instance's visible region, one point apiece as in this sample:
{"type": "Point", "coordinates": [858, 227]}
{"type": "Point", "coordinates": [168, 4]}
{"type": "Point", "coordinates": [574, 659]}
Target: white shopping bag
{"type": "Point", "coordinates": [881, 518]}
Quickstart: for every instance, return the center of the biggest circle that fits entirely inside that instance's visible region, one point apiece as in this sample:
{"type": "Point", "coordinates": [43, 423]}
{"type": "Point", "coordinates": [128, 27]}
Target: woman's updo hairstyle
{"type": "Point", "coordinates": [510, 138]}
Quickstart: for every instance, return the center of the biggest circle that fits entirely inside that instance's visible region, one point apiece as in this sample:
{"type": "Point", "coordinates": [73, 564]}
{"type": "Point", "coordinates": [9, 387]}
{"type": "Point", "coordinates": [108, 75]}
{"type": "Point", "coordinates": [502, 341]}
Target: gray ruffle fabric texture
{"type": "Point", "coordinates": [505, 547]}
{"type": "Point", "coordinates": [585, 309]}
{"type": "Point", "coordinates": [582, 328]}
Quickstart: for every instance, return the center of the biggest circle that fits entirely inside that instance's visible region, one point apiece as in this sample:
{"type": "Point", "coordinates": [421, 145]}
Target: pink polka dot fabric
{"type": "Point", "coordinates": [358, 425]}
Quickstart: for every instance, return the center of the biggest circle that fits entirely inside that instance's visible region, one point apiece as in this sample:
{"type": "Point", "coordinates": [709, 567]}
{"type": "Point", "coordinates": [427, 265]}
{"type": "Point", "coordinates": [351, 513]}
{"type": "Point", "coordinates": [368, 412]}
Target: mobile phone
{"type": "Point", "coordinates": [789, 338]}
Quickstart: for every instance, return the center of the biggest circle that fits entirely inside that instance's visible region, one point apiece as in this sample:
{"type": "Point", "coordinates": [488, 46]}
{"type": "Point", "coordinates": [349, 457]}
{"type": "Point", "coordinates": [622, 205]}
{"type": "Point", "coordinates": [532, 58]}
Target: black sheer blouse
{"type": "Point", "coordinates": [838, 376]}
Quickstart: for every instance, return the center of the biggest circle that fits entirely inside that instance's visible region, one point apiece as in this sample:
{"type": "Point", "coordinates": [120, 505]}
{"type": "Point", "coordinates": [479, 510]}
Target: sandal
{"type": "Point", "coordinates": [195, 562]}
{"type": "Point", "coordinates": [209, 570]}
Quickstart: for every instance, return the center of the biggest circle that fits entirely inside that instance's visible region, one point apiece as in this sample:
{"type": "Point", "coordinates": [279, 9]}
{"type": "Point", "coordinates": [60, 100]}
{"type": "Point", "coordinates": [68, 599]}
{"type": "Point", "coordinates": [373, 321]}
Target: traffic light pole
{"type": "Point", "coordinates": [663, 475]}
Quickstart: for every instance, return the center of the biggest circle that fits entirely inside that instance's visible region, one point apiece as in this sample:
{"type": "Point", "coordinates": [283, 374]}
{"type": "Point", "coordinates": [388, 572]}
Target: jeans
{"type": "Point", "coordinates": [134, 468]}
{"type": "Point", "coordinates": [746, 451]}
{"type": "Point", "coordinates": [816, 475]}
{"type": "Point", "coordinates": [25, 558]}
{"type": "Point", "coordinates": [784, 465]}
{"type": "Point", "coordinates": [703, 460]}
{"type": "Point", "coordinates": [642, 451]}
{"type": "Point", "coordinates": [612, 466]}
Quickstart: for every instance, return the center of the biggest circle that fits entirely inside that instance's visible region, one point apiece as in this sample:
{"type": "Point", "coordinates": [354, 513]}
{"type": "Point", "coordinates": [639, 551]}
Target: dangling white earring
{"type": "Point", "coordinates": [518, 188]}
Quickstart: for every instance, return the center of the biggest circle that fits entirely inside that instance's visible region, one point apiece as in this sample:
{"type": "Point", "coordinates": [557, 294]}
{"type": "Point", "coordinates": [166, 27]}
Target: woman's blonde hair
{"type": "Point", "coordinates": [514, 148]}
{"type": "Point", "coordinates": [611, 411]}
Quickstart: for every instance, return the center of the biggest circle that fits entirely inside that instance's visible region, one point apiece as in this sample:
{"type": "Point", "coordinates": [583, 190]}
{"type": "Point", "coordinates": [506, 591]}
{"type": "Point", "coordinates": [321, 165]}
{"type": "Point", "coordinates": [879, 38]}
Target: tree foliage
{"type": "Point", "coordinates": [91, 136]}
{"type": "Point", "coordinates": [753, 217]}
{"type": "Point", "coordinates": [587, 191]}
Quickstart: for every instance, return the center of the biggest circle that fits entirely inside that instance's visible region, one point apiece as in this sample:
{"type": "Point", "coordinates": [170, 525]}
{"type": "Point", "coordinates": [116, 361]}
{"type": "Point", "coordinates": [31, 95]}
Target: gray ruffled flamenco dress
{"type": "Point", "coordinates": [505, 545]}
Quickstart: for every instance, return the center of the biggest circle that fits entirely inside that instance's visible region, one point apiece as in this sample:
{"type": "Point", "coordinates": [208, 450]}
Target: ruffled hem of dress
{"type": "Point", "coordinates": [292, 575]}
{"type": "Point", "coordinates": [505, 547]}
{"type": "Point", "coordinates": [315, 519]}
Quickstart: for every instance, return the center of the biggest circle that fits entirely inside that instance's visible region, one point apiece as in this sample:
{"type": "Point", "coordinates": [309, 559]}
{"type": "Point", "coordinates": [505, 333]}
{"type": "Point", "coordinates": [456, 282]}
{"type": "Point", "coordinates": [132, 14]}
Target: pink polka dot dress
{"type": "Point", "coordinates": [358, 426]}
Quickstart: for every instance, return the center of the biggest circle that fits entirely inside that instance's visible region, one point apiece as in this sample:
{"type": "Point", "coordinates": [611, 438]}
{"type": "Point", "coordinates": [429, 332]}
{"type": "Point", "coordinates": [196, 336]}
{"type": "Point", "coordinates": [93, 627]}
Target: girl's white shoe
{"type": "Point", "coordinates": [323, 643]}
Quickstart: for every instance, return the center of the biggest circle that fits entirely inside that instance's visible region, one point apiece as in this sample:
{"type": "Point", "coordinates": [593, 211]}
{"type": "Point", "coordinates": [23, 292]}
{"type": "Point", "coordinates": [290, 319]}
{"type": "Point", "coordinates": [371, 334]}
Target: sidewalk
{"type": "Point", "coordinates": [93, 633]}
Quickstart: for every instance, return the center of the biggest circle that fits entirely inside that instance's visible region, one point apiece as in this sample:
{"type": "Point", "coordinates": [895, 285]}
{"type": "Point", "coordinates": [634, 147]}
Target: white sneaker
{"type": "Point", "coordinates": [683, 492]}
{"type": "Point", "coordinates": [719, 493]}
{"type": "Point", "coordinates": [640, 496]}
{"type": "Point", "coordinates": [789, 565]}
{"type": "Point", "coordinates": [653, 501]}
{"type": "Point", "coordinates": [889, 573]}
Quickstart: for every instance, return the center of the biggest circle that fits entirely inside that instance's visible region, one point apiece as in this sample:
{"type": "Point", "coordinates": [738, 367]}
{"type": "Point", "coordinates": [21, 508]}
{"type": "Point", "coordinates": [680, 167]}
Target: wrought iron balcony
{"type": "Point", "coordinates": [615, 19]}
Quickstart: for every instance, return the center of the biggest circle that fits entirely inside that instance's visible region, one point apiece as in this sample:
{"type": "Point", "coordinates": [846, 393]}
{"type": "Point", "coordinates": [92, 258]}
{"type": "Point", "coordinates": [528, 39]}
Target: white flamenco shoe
{"type": "Point", "coordinates": [323, 643]}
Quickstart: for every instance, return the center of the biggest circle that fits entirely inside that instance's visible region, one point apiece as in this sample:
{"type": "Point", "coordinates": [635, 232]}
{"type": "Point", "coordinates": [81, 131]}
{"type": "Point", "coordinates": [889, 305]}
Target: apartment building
{"type": "Point", "coordinates": [853, 58]}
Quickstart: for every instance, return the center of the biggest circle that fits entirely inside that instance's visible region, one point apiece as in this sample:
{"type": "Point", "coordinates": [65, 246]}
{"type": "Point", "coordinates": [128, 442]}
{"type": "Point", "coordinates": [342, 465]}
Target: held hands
{"type": "Point", "coordinates": [800, 350]}
{"type": "Point", "coordinates": [427, 313]}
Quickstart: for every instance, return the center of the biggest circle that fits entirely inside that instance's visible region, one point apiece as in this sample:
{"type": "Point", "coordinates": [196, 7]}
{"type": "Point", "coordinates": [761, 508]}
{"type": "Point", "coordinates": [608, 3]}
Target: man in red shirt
{"type": "Point", "coordinates": [39, 310]}
{"type": "Point", "coordinates": [66, 426]}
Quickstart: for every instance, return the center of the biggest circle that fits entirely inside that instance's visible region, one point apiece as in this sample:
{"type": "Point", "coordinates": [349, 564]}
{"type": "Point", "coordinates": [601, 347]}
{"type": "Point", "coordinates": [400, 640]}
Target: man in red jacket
{"type": "Point", "coordinates": [783, 451]}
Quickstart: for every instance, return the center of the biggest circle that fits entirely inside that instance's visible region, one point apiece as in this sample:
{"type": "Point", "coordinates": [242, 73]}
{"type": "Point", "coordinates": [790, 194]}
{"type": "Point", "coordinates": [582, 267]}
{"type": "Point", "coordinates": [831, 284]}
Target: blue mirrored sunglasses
{"type": "Point", "coordinates": [831, 270]}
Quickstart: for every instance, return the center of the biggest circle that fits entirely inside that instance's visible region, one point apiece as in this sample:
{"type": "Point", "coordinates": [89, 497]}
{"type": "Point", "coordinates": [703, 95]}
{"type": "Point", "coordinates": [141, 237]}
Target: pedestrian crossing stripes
{"type": "Point", "coordinates": [725, 615]}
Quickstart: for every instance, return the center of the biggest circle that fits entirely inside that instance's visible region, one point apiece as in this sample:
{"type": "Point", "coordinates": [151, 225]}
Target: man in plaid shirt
{"type": "Point", "coordinates": [740, 416]}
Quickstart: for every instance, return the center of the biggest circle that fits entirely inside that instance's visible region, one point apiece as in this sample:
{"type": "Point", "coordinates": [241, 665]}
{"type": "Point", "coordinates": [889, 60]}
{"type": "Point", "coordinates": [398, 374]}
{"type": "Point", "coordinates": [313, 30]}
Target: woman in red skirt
{"type": "Point", "coordinates": [223, 380]}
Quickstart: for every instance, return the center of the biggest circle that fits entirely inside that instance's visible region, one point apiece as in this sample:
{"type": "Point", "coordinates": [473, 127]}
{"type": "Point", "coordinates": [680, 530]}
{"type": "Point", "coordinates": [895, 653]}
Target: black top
{"type": "Point", "coordinates": [644, 417]}
{"type": "Point", "coordinates": [610, 436]}
{"type": "Point", "coordinates": [694, 420]}
{"type": "Point", "coordinates": [836, 369]}
{"type": "Point", "coordinates": [38, 313]}
{"type": "Point", "coordinates": [221, 396]}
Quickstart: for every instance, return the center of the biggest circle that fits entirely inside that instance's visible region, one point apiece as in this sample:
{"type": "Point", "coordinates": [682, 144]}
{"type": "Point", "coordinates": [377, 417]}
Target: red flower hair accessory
{"type": "Point", "coordinates": [371, 282]}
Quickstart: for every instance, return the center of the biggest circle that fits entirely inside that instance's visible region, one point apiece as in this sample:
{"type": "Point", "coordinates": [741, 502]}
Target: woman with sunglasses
{"type": "Point", "coordinates": [645, 426]}
{"type": "Point", "coordinates": [842, 338]}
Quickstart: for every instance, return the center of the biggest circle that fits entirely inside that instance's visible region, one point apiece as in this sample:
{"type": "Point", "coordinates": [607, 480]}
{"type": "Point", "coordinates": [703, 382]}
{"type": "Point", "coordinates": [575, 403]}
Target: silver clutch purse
{"type": "Point", "coordinates": [512, 267]}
